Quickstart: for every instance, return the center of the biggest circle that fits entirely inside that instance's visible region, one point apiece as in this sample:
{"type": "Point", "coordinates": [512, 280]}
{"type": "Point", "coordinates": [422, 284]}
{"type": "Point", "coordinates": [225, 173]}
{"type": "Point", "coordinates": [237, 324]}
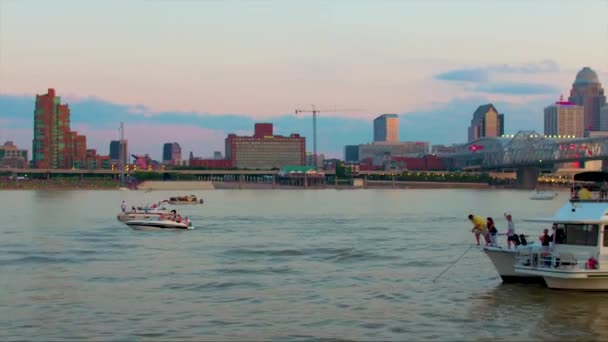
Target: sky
{"type": "Point", "coordinates": [193, 71]}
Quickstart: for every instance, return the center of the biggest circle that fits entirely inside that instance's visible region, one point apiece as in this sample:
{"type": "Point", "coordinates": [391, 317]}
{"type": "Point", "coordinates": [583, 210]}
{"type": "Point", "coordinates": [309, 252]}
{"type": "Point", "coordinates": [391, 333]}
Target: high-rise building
{"type": "Point", "coordinates": [587, 91]}
{"type": "Point", "coordinates": [172, 153]}
{"type": "Point", "coordinates": [564, 118]}
{"type": "Point", "coordinates": [55, 146]}
{"type": "Point", "coordinates": [264, 150]}
{"type": "Point", "coordinates": [486, 123]}
{"type": "Point", "coordinates": [386, 128]}
{"type": "Point", "coordinates": [351, 153]}
{"type": "Point", "coordinates": [116, 155]}
{"type": "Point", "coordinates": [604, 118]}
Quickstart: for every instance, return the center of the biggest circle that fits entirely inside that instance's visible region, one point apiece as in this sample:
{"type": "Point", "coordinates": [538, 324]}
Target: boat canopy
{"type": "Point", "coordinates": [591, 176]}
{"type": "Point", "coordinates": [564, 221]}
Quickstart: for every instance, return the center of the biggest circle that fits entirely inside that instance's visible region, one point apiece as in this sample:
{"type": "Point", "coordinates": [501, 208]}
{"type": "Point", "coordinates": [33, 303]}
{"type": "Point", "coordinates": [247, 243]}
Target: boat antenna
{"type": "Point", "coordinates": [454, 263]}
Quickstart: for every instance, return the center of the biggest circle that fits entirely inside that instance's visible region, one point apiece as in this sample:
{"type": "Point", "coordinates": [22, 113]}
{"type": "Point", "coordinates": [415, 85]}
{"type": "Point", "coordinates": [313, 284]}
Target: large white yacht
{"type": "Point", "coordinates": [577, 255]}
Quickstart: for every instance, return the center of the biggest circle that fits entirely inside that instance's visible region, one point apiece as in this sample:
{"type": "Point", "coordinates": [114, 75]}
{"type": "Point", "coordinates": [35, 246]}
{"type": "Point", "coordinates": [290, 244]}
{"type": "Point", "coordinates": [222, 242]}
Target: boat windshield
{"type": "Point", "coordinates": [576, 234]}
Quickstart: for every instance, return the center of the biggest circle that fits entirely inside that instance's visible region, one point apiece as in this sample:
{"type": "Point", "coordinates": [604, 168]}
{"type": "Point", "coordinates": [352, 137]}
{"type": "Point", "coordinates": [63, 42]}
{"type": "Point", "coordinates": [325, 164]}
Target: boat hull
{"type": "Point", "coordinates": [504, 261]}
{"type": "Point", "coordinates": [158, 225]}
{"type": "Point", "coordinates": [570, 280]}
{"type": "Point", "coordinates": [181, 202]}
{"type": "Point", "coordinates": [131, 217]}
{"type": "Point", "coordinates": [581, 284]}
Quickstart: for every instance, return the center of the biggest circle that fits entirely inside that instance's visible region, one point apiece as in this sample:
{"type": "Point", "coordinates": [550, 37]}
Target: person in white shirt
{"type": "Point", "coordinates": [510, 231]}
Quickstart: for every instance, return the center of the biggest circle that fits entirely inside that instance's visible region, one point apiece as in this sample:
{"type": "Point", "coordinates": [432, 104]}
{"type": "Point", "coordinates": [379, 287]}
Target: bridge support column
{"type": "Point", "coordinates": [527, 177]}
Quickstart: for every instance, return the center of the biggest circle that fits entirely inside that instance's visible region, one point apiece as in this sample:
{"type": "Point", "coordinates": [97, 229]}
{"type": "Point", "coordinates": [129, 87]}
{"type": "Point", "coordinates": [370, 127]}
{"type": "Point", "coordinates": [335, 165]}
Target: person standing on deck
{"type": "Point", "coordinates": [479, 227]}
{"type": "Point", "coordinates": [510, 232]}
{"type": "Point", "coordinates": [123, 207]}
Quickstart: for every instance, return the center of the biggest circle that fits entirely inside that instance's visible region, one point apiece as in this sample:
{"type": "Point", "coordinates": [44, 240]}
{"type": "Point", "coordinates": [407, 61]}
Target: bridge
{"type": "Point", "coordinates": [527, 152]}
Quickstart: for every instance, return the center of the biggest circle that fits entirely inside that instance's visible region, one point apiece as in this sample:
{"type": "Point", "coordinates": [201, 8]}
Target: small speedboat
{"type": "Point", "coordinates": [189, 199]}
{"type": "Point", "coordinates": [543, 195]}
{"type": "Point", "coordinates": [157, 223]}
{"type": "Point", "coordinates": [142, 214]}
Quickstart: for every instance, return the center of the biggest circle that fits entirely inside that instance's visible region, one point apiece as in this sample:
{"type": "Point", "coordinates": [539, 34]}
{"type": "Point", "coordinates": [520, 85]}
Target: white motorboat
{"type": "Point", "coordinates": [188, 199]}
{"type": "Point", "coordinates": [503, 260]}
{"type": "Point", "coordinates": [543, 195]}
{"type": "Point", "coordinates": [142, 213]}
{"type": "Point", "coordinates": [157, 223]}
{"type": "Point", "coordinates": [577, 258]}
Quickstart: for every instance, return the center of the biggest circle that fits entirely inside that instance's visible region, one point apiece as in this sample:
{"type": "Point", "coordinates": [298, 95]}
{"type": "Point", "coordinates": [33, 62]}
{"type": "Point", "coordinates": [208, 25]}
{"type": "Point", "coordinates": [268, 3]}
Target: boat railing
{"type": "Point", "coordinates": [546, 258]}
{"type": "Point", "coordinates": [589, 192]}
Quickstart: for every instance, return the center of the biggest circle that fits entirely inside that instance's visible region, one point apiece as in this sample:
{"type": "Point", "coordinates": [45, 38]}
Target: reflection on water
{"type": "Point", "coordinates": [286, 265]}
{"type": "Point", "coordinates": [547, 314]}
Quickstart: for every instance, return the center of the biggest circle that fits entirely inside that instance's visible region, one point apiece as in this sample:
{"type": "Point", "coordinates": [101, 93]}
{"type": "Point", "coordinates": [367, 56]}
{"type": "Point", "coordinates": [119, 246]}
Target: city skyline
{"type": "Point", "coordinates": [260, 61]}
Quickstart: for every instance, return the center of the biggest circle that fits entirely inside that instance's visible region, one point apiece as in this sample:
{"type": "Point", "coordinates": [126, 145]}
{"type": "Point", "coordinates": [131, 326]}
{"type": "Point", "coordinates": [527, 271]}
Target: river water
{"type": "Point", "coordinates": [276, 265]}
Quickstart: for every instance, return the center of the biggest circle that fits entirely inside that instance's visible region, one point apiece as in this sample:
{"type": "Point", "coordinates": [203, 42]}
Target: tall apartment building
{"type": "Point", "coordinates": [54, 145]}
{"type": "Point", "coordinates": [587, 91]}
{"type": "Point", "coordinates": [386, 128]}
{"type": "Point", "coordinates": [486, 123]}
{"type": "Point", "coordinates": [564, 118]}
{"type": "Point", "coordinates": [264, 150]}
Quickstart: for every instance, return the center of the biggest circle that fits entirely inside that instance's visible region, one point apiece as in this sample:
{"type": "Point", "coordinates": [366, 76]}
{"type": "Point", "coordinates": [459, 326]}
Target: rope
{"type": "Point", "coordinates": [454, 263]}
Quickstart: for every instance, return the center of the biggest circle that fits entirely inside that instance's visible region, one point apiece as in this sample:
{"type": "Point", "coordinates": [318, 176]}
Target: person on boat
{"type": "Point", "coordinates": [479, 227]}
{"type": "Point", "coordinates": [584, 193]}
{"type": "Point", "coordinates": [123, 207]}
{"type": "Point", "coordinates": [511, 236]}
{"type": "Point", "coordinates": [492, 230]}
{"type": "Point", "coordinates": [545, 239]}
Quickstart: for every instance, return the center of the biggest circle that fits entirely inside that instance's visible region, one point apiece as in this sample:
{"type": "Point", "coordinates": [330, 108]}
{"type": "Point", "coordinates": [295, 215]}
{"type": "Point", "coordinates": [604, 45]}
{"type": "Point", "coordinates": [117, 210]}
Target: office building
{"type": "Point", "coordinates": [116, 154]}
{"type": "Point", "coordinates": [172, 153]}
{"type": "Point", "coordinates": [264, 150]}
{"type": "Point", "coordinates": [386, 128]}
{"type": "Point", "coordinates": [486, 123]}
{"type": "Point", "coordinates": [587, 91]}
{"type": "Point", "coordinates": [351, 153]}
{"type": "Point", "coordinates": [13, 157]}
{"type": "Point", "coordinates": [564, 119]}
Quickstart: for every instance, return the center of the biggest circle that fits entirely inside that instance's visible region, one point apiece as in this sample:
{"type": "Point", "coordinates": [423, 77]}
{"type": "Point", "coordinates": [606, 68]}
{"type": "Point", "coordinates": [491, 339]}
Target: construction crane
{"type": "Point", "coordinates": [314, 112]}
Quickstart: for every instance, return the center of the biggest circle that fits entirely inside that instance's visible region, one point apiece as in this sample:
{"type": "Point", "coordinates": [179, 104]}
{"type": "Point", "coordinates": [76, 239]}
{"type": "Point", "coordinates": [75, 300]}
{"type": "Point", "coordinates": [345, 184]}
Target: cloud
{"type": "Point", "coordinates": [529, 68]}
{"type": "Point", "coordinates": [483, 79]}
{"type": "Point", "coordinates": [476, 75]}
{"type": "Point", "coordinates": [512, 88]}
{"type": "Point", "coordinates": [483, 74]}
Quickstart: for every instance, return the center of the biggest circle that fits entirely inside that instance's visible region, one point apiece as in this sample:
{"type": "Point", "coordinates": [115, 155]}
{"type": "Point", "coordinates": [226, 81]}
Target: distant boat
{"type": "Point", "coordinates": [122, 188]}
{"type": "Point", "coordinates": [543, 195]}
{"type": "Point", "coordinates": [191, 199]}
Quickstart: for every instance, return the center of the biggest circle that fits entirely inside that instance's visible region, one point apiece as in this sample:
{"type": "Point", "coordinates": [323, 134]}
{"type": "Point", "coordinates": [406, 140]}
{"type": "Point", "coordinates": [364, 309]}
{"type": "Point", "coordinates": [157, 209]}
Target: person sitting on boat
{"type": "Point", "coordinates": [584, 193]}
{"type": "Point", "coordinates": [511, 236]}
{"type": "Point", "coordinates": [492, 231]}
{"type": "Point", "coordinates": [479, 227]}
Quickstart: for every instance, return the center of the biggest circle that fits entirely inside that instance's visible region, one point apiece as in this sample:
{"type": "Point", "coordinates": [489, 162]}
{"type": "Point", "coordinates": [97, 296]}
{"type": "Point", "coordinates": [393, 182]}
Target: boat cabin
{"type": "Point", "coordinates": [579, 239]}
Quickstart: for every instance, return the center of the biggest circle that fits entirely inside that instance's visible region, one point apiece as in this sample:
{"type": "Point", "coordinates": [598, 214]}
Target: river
{"type": "Point", "coordinates": [276, 265]}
